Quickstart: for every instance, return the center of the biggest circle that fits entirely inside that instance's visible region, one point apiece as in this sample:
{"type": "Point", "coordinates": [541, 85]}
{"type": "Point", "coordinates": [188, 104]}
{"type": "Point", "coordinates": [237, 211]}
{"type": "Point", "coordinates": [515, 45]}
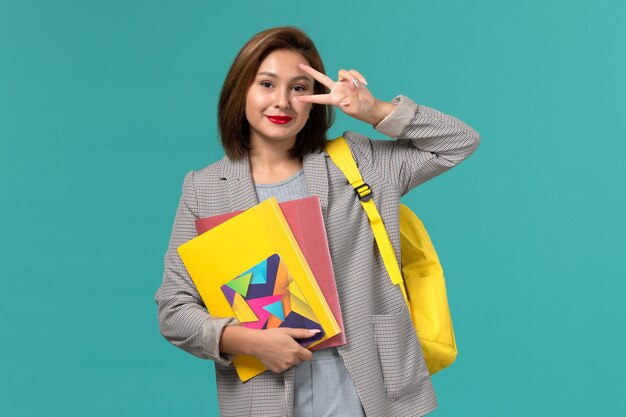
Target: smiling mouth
{"type": "Point", "coordinates": [280, 120]}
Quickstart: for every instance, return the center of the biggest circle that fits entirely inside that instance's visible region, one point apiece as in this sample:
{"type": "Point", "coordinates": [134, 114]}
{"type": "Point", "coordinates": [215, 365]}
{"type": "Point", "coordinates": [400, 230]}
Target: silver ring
{"type": "Point", "coordinates": [355, 82]}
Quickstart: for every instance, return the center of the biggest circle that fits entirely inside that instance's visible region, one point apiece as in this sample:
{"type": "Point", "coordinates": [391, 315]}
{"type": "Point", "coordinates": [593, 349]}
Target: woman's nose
{"type": "Point", "coordinates": [281, 100]}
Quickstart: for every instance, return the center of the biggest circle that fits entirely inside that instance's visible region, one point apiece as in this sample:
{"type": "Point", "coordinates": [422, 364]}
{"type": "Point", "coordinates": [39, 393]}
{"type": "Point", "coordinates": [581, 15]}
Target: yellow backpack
{"type": "Point", "coordinates": [421, 280]}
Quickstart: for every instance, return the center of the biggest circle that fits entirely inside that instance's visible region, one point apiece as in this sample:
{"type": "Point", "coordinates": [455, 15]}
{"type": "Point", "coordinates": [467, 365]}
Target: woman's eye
{"type": "Point", "coordinates": [266, 84]}
{"type": "Point", "coordinates": [299, 88]}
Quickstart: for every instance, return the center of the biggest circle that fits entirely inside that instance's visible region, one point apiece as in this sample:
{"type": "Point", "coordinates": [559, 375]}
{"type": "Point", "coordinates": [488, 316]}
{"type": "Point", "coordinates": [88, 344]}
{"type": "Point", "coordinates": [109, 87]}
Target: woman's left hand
{"type": "Point", "coordinates": [349, 94]}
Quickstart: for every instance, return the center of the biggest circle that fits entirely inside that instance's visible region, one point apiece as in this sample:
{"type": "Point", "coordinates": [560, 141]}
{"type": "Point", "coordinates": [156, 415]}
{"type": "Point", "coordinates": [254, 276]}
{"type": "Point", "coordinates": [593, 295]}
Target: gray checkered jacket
{"type": "Point", "coordinates": [382, 354]}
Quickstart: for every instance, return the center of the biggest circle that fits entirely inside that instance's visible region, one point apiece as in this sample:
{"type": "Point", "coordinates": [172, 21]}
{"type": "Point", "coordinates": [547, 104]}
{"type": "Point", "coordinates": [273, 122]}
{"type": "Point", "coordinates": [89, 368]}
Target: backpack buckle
{"type": "Point", "coordinates": [363, 191]}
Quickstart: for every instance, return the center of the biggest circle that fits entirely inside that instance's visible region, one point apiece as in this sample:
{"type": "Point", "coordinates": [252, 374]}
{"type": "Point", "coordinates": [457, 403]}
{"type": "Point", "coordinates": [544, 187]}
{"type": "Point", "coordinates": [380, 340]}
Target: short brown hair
{"type": "Point", "coordinates": [233, 126]}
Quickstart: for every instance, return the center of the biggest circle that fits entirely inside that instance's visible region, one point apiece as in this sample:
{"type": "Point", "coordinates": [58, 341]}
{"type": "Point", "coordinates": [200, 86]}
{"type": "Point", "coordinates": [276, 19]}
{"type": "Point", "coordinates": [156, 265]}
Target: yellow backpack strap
{"type": "Point", "coordinates": [341, 155]}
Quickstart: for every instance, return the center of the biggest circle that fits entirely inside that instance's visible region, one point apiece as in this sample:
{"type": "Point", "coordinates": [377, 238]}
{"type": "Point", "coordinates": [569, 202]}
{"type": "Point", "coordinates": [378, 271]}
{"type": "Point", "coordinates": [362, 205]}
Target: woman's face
{"type": "Point", "coordinates": [271, 109]}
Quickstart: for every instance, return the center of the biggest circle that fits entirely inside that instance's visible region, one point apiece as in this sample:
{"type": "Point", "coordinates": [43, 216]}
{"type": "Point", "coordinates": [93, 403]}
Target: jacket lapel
{"type": "Point", "coordinates": [241, 192]}
{"type": "Point", "coordinates": [316, 177]}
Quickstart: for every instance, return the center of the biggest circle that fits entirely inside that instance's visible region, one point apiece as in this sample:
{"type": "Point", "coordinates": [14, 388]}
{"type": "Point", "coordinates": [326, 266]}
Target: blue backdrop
{"type": "Point", "coordinates": [104, 106]}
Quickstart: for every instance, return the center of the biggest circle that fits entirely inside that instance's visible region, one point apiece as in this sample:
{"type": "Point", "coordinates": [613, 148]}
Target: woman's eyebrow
{"type": "Point", "coordinates": [271, 74]}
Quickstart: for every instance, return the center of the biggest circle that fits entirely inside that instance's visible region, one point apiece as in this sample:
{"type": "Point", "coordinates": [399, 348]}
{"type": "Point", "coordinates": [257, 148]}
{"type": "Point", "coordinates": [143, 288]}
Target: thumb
{"type": "Point", "coordinates": [305, 354]}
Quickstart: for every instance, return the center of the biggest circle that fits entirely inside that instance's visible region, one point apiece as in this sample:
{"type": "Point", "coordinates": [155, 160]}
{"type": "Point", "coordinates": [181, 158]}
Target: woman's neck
{"type": "Point", "coordinates": [272, 164]}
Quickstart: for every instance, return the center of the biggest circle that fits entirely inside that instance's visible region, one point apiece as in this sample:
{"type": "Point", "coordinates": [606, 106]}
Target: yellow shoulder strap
{"type": "Point", "coordinates": [341, 155]}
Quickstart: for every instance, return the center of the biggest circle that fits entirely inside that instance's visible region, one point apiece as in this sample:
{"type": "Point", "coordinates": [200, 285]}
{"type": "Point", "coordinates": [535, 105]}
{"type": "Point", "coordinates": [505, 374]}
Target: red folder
{"type": "Point", "coordinates": [304, 217]}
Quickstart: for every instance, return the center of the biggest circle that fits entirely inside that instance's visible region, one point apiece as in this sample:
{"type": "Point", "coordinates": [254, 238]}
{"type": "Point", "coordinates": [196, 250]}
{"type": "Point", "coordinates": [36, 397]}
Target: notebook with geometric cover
{"type": "Point", "coordinates": [266, 297]}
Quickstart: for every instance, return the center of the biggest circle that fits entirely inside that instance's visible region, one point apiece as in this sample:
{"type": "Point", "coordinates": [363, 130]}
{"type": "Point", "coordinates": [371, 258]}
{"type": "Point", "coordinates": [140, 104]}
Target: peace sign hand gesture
{"type": "Point", "coordinates": [349, 94]}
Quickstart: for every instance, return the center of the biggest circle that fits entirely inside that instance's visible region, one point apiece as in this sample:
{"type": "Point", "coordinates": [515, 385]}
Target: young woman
{"type": "Point", "coordinates": [275, 109]}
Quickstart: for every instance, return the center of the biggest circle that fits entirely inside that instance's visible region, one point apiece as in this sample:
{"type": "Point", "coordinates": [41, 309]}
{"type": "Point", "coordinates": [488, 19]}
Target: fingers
{"type": "Point", "coordinates": [358, 76]}
{"type": "Point", "coordinates": [345, 92]}
{"type": "Point", "coordinates": [346, 77]}
{"type": "Point", "coordinates": [316, 98]}
{"type": "Point", "coordinates": [299, 333]}
{"type": "Point", "coordinates": [305, 354]}
{"type": "Point", "coordinates": [351, 105]}
{"type": "Point", "coordinates": [322, 78]}
{"type": "Point", "coordinates": [302, 354]}
{"type": "Point", "coordinates": [327, 81]}
{"type": "Point", "coordinates": [351, 75]}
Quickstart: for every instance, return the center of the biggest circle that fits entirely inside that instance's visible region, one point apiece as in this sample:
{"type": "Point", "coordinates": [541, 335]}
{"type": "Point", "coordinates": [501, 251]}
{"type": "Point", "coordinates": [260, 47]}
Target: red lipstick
{"type": "Point", "coordinates": [280, 120]}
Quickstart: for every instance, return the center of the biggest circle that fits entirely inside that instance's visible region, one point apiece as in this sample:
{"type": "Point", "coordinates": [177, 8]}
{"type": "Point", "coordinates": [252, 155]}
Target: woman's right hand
{"type": "Point", "coordinates": [277, 349]}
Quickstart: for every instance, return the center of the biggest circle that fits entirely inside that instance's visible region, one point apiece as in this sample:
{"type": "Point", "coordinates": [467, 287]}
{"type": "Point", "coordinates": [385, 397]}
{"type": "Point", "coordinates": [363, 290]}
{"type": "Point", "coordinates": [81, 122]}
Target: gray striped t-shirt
{"type": "Point", "coordinates": [292, 188]}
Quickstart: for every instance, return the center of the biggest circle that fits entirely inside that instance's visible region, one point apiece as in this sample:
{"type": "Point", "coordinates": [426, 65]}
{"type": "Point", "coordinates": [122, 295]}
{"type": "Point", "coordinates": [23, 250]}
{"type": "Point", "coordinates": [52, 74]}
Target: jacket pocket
{"type": "Point", "coordinates": [400, 354]}
{"type": "Point", "coordinates": [232, 394]}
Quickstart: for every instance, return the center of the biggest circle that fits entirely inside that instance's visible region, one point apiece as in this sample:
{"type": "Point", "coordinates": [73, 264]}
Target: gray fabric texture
{"type": "Point", "coordinates": [382, 355]}
{"type": "Point", "coordinates": [291, 188]}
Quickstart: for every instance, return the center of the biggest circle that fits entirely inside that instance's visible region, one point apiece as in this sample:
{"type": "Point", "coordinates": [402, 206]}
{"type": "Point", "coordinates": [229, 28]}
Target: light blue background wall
{"type": "Point", "coordinates": [104, 106]}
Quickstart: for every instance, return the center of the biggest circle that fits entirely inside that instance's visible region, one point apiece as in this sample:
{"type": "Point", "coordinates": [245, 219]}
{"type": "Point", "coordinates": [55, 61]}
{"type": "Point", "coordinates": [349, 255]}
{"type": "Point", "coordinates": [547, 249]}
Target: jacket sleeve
{"type": "Point", "coordinates": [183, 318]}
{"type": "Point", "coordinates": [428, 143]}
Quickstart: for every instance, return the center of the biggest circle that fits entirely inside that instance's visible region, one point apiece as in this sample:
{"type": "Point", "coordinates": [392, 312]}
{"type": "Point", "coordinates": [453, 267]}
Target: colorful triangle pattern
{"type": "Point", "coordinates": [266, 297]}
{"type": "Point", "coordinates": [241, 284]}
